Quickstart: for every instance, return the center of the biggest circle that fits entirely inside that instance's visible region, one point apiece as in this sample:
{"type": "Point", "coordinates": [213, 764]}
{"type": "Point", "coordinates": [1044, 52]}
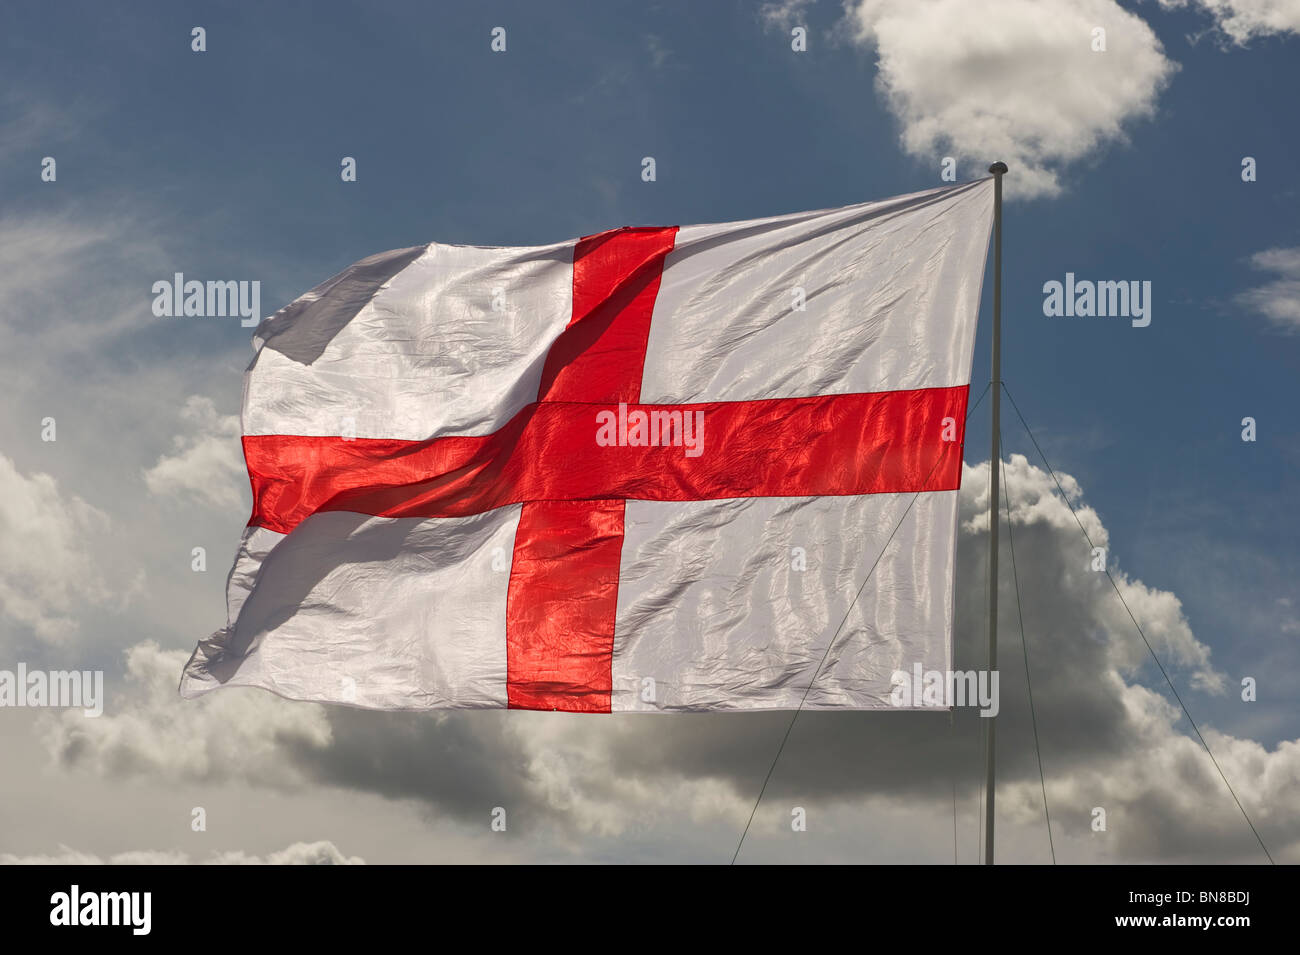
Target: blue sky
{"type": "Point", "coordinates": [225, 164]}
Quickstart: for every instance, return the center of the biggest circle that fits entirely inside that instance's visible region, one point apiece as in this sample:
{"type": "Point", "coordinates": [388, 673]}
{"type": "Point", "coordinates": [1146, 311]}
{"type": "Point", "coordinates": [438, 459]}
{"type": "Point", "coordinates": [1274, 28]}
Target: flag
{"type": "Point", "coordinates": [653, 469]}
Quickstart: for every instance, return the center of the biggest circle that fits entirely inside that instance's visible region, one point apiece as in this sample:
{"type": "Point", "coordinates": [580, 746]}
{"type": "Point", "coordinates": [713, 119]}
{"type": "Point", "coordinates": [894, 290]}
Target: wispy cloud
{"type": "Point", "coordinates": [1278, 299]}
{"type": "Point", "coordinates": [1244, 20]}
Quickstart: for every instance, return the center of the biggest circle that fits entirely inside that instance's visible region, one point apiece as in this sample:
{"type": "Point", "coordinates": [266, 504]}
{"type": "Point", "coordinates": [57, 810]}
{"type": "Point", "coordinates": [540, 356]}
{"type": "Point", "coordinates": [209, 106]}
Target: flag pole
{"type": "Point", "coordinates": [995, 460]}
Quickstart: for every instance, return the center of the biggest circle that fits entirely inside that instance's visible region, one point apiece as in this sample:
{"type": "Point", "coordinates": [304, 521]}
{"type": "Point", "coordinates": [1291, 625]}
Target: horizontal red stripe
{"type": "Point", "coordinates": [884, 442]}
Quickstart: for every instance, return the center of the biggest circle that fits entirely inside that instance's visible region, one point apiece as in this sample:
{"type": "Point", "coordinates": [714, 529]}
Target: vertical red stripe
{"type": "Point", "coordinates": [563, 592]}
{"type": "Point", "coordinates": [600, 355]}
{"type": "Point", "coordinates": [561, 603]}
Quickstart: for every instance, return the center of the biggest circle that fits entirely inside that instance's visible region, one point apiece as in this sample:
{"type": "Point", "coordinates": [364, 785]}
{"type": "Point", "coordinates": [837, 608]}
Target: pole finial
{"type": "Point", "coordinates": [998, 168]}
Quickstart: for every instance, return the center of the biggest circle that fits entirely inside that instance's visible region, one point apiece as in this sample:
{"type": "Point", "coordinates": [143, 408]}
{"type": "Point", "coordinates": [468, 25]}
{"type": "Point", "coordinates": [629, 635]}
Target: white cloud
{"type": "Point", "coordinates": [1279, 299]}
{"type": "Point", "coordinates": [300, 853]}
{"type": "Point", "coordinates": [1245, 20]}
{"type": "Point", "coordinates": [148, 730]}
{"type": "Point", "coordinates": [1164, 799]}
{"type": "Point", "coordinates": [1036, 501]}
{"type": "Point", "coordinates": [1015, 80]}
{"type": "Point", "coordinates": [46, 572]}
{"type": "Point", "coordinates": [784, 13]}
{"type": "Point", "coordinates": [206, 462]}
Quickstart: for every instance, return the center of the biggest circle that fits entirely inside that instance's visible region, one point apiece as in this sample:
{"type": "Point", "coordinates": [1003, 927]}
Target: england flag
{"type": "Point", "coordinates": [711, 467]}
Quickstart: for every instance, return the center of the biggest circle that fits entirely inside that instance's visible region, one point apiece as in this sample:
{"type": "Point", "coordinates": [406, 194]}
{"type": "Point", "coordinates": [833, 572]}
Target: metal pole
{"type": "Point", "coordinates": [995, 460]}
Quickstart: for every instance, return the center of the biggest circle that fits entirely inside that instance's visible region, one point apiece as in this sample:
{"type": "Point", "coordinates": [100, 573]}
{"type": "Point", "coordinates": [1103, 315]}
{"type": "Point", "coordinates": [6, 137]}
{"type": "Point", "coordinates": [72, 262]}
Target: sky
{"type": "Point", "coordinates": [1126, 163]}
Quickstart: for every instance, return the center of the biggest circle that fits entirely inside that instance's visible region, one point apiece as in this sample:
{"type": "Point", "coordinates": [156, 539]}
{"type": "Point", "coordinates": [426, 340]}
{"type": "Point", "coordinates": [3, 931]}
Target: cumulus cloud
{"type": "Point", "coordinates": [206, 462]}
{"type": "Point", "coordinates": [1278, 300]}
{"type": "Point", "coordinates": [300, 853]}
{"type": "Point", "coordinates": [1244, 20]}
{"type": "Point", "coordinates": [46, 569]}
{"type": "Point", "coordinates": [462, 763]}
{"type": "Point", "coordinates": [1111, 737]}
{"type": "Point", "coordinates": [1016, 80]}
{"type": "Point", "coordinates": [1036, 502]}
{"type": "Point", "coordinates": [146, 731]}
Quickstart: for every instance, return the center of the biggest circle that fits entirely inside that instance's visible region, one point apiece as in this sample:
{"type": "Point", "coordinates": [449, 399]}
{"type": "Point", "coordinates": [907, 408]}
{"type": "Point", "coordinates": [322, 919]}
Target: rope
{"type": "Point", "coordinates": [1033, 716]}
{"type": "Point", "coordinates": [835, 636]}
{"type": "Point", "coordinates": [1138, 626]}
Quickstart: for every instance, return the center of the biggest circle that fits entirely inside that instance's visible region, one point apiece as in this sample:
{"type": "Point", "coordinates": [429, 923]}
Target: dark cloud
{"type": "Point", "coordinates": [1107, 740]}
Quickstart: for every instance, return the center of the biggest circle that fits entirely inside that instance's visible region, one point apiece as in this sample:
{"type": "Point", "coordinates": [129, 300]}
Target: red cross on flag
{"type": "Point", "coordinates": [648, 470]}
